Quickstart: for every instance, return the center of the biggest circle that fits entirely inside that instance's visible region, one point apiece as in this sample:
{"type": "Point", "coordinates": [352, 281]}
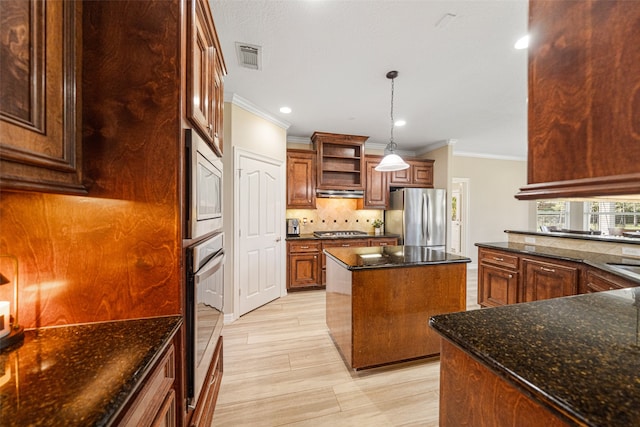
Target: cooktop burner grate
{"type": "Point", "coordinates": [339, 233]}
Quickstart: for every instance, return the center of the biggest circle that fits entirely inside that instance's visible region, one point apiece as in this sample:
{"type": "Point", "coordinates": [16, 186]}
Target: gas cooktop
{"type": "Point", "coordinates": [339, 233]}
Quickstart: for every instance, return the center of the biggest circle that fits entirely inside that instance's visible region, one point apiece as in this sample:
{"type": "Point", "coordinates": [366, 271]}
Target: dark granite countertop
{"type": "Point", "coordinates": [391, 257]}
{"type": "Point", "coordinates": [79, 375]}
{"type": "Point", "coordinates": [365, 236]}
{"type": "Point", "coordinates": [594, 237]}
{"type": "Point", "coordinates": [594, 259]}
{"type": "Point", "coordinates": [578, 356]}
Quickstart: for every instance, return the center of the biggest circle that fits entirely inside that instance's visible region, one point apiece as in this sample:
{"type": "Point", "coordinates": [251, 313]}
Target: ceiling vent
{"type": "Point", "coordinates": [249, 56]}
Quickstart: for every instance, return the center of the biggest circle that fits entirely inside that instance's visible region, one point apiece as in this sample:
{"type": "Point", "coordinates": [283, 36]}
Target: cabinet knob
{"type": "Point", "coordinates": [209, 126]}
{"type": "Point", "coordinates": [510, 276]}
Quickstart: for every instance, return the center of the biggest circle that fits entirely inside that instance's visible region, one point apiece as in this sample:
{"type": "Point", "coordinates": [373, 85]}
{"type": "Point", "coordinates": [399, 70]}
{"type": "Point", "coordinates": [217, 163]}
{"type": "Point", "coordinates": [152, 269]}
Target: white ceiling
{"type": "Point", "coordinates": [327, 60]}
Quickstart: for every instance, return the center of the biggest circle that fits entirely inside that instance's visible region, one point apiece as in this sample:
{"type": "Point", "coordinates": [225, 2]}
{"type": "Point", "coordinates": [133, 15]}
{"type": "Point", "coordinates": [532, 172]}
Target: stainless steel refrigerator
{"type": "Point", "coordinates": [418, 215]}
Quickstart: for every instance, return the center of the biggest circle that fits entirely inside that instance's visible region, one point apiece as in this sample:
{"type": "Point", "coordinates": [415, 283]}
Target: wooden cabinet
{"type": "Point", "coordinates": [596, 280]}
{"type": "Point", "coordinates": [155, 404]}
{"type": "Point", "coordinates": [546, 279]}
{"type": "Point", "coordinates": [40, 117]}
{"type": "Point", "coordinates": [376, 194]}
{"type": "Point", "coordinates": [306, 264]}
{"type": "Point", "coordinates": [584, 113]}
{"type": "Point", "coordinates": [203, 414]}
{"type": "Point", "coordinates": [205, 70]}
{"type": "Point", "coordinates": [498, 278]}
{"type": "Point", "coordinates": [340, 161]}
{"type": "Point", "coordinates": [303, 263]}
{"type": "Point", "coordinates": [301, 179]}
{"type": "Point", "coordinates": [419, 174]}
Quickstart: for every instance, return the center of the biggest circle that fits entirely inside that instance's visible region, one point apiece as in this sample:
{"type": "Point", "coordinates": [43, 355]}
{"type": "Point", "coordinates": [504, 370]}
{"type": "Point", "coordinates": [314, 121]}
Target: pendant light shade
{"type": "Point", "coordinates": [391, 161]}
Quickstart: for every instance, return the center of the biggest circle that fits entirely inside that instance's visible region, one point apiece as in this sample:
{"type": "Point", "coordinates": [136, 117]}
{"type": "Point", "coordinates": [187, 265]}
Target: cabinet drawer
{"type": "Point", "coordinates": [499, 258]}
{"type": "Point", "coordinates": [598, 281]}
{"type": "Point", "coordinates": [304, 246]}
{"type": "Point", "coordinates": [383, 241]}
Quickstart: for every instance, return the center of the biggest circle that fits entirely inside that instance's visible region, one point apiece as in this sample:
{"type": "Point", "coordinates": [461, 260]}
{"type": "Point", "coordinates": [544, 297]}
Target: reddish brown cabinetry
{"type": "Point", "coordinates": [40, 138]}
{"type": "Point", "coordinates": [376, 194]}
{"type": "Point", "coordinates": [545, 279]}
{"type": "Point", "coordinates": [301, 179]}
{"type": "Point", "coordinates": [203, 415]}
{"type": "Point", "coordinates": [340, 161]}
{"type": "Point", "coordinates": [584, 108]}
{"type": "Point", "coordinates": [596, 280]}
{"type": "Point", "coordinates": [303, 259]}
{"type": "Point", "coordinates": [205, 71]}
{"type": "Point", "coordinates": [498, 278]}
{"type": "Point", "coordinates": [419, 174]}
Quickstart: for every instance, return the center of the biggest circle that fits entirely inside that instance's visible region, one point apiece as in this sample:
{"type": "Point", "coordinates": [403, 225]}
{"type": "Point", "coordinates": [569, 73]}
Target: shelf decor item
{"type": "Point", "coordinates": [377, 226]}
{"type": "Point", "coordinates": [10, 331]}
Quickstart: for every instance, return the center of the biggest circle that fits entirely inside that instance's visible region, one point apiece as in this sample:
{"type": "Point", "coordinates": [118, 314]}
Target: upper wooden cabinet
{"type": "Point", "coordinates": [205, 71]}
{"type": "Point", "coordinates": [340, 161]}
{"type": "Point", "coordinates": [40, 134]}
{"type": "Point", "coordinates": [419, 174]}
{"type": "Point", "coordinates": [376, 194]}
{"type": "Point", "coordinates": [301, 179]}
{"type": "Point", "coordinates": [584, 99]}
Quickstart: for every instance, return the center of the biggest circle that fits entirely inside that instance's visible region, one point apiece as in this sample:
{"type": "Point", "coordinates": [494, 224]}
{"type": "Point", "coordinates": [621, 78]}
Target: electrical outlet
{"type": "Point", "coordinates": [531, 240]}
{"type": "Point", "coordinates": [631, 251]}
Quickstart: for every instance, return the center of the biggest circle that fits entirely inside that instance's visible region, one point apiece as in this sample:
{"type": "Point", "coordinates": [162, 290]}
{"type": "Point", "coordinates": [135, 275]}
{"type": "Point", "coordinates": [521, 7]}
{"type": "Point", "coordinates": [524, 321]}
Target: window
{"type": "Point", "coordinates": [604, 216]}
{"type": "Point", "coordinates": [552, 213]}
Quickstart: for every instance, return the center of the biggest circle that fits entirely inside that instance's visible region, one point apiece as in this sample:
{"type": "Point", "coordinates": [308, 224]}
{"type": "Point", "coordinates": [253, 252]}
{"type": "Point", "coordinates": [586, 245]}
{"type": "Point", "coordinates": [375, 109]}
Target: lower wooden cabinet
{"type": "Point", "coordinates": [155, 404]}
{"type": "Point", "coordinates": [544, 280]}
{"type": "Point", "coordinates": [203, 414]}
{"type": "Point", "coordinates": [496, 286]}
{"type": "Point", "coordinates": [596, 280]}
{"type": "Point", "coordinates": [306, 264]}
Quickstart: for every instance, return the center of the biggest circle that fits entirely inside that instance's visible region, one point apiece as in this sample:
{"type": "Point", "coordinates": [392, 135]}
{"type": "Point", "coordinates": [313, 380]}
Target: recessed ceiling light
{"type": "Point", "coordinates": [522, 43]}
{"type": "Point", "coordinates": [285, 110]}
{"type": "Point", "coordinates": [400, 123]}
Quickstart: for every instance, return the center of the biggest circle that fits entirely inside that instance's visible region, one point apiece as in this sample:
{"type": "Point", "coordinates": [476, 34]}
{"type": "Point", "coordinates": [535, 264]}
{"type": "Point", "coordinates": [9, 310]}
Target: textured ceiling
{"type": "Point", "coordinates": [327, 60]}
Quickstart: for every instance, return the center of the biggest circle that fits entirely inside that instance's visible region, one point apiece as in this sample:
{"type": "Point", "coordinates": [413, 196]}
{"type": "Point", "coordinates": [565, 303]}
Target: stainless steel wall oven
{"type": "Point", "coordinates": [204, 310]}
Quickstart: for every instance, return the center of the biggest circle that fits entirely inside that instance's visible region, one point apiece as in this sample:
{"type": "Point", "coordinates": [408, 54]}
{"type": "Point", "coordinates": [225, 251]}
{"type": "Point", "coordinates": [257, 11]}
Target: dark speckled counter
{"type": "Point", "coordinates": [391, 257]}
{"type": "Point", "coordinates": [579, 357]}
{"type": "Point", "coordinates": [79, 375]}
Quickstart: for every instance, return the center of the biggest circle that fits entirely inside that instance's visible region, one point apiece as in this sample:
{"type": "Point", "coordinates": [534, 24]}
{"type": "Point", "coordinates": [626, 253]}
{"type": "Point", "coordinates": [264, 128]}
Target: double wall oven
{"type": "Point", "coordinates": [204, 262]}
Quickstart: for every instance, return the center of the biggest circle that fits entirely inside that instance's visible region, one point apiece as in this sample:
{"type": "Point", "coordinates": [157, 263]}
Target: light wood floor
{"type": "Point", "coordinates": [281, 368]}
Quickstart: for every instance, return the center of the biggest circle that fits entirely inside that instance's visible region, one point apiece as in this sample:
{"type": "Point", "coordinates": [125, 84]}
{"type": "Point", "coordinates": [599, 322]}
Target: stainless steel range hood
{"type": "Point", "coordinates": [340, 194]}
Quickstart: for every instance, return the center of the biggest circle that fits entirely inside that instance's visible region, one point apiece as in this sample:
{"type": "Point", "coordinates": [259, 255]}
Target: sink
{"type": "Point", "coordinates": [634, 269]}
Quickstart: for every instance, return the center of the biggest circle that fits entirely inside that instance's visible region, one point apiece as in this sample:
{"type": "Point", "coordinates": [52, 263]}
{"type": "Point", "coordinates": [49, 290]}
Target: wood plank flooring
{"type": "Point", "coordinates": [281, 368]}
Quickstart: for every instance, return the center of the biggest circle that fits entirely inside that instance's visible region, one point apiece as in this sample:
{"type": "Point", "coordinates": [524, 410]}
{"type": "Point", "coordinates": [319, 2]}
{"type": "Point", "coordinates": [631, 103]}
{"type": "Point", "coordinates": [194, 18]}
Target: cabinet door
{"type": "Point", "coordinates": [544, 280]}
{"type": "Point", "coordinates": [401, 178]}
{"type": "Point", "coordinates": [39, 112]}
{"type": "Point", "coordinates": [303, 270]}
{"type": "Point", "coordinates": [376, 194]}
{"type": "Point", "coordinates": [598, 281]}
{"type": "Point", "coordinates": [422, 173]}
{"type": "Point", "coordinates": [496, 286]}
{"type": "Point", "coordinates": [301, 179]}
{"type": "Point", "coordinates": [218, 103]}
{"type": "Point", "coordinates": [200, 71]}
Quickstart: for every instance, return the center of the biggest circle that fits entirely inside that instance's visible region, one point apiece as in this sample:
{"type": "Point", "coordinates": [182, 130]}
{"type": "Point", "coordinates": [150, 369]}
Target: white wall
{"type": "Point", "coordinates": [492, 205]}
{"type": "Point", "coordinates": [245, 127]}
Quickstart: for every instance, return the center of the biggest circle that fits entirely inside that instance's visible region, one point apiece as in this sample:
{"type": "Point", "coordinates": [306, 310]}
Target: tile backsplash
{"type": "Point", "coordinates": [335, 214]}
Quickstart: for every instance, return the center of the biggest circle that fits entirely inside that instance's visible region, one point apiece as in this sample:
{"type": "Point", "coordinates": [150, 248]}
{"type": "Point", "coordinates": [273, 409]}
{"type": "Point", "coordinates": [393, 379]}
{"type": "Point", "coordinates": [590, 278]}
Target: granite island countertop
{"type": "Point", "coordinates": [578, 356]}
{"type": "Point", "coordinates": [80, 375]}
{"type": "Point", "coordinates": [391, 257]}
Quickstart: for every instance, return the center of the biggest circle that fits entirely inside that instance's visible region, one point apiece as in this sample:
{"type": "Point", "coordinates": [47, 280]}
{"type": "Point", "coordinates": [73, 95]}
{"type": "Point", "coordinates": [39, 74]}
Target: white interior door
{"type": "Point", "coordinates": [259, 232]}
{"type": "Point", "coordinates": [460, 216]}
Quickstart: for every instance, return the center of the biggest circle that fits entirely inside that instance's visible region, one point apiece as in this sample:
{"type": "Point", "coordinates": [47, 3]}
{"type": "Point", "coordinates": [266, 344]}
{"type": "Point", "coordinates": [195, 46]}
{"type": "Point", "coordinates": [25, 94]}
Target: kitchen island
{"type": "Point", "coordinates": [379, 300]}
{"type": "Point", "coordinates": [557, 362]}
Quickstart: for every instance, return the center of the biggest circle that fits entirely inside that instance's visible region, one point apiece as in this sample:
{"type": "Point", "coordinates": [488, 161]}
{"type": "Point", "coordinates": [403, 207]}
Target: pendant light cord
{"type": "Point", "coordinates": [392, 123]}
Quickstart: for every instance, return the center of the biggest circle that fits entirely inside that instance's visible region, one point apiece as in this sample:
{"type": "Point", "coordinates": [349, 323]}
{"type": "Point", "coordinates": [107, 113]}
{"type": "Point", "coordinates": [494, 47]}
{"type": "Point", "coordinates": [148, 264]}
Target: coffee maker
{"type": "Point", "coordinates": [293, 227]}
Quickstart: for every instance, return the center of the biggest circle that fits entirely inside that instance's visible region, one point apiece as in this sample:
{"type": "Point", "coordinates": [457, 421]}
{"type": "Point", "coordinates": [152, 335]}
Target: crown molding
{"type": "Point", "coordinates": [298, 139]}
{"type": "Point", "coordinates": [245, 104]}
{"type": "Point", "coordinates": [488, 156]}
{"type": "Point", "coordinates": [436, 145]}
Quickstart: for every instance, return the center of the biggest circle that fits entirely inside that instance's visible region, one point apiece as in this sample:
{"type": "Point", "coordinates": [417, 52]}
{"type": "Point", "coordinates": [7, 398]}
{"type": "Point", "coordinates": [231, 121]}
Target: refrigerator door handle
{"type": "Point", "coordinates": [425, 219]}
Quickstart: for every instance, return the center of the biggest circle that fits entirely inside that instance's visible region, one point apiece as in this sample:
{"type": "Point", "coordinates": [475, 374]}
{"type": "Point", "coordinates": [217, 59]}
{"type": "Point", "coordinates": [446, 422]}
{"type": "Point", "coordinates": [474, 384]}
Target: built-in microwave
{"type": "Point", "coordinates": [203, 187]}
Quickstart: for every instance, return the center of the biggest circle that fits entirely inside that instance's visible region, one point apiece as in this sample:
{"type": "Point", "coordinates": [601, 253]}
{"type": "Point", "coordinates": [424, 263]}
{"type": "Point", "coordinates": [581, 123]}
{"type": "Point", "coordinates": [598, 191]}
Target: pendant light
{"type": "Point", "coordinates": [391, 161]}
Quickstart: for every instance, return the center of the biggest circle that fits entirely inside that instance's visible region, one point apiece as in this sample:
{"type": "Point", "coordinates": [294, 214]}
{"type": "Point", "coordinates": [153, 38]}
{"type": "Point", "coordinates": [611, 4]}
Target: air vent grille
{"type": "Point", "coordinates": [249, 56]}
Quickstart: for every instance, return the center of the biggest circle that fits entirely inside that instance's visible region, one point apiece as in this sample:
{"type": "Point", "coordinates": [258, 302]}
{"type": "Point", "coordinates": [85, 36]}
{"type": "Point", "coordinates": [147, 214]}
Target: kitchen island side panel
{"type": "Point", "coordinates": [338, 307]}
{"type": "Point", "coordinates": [392, 307]}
